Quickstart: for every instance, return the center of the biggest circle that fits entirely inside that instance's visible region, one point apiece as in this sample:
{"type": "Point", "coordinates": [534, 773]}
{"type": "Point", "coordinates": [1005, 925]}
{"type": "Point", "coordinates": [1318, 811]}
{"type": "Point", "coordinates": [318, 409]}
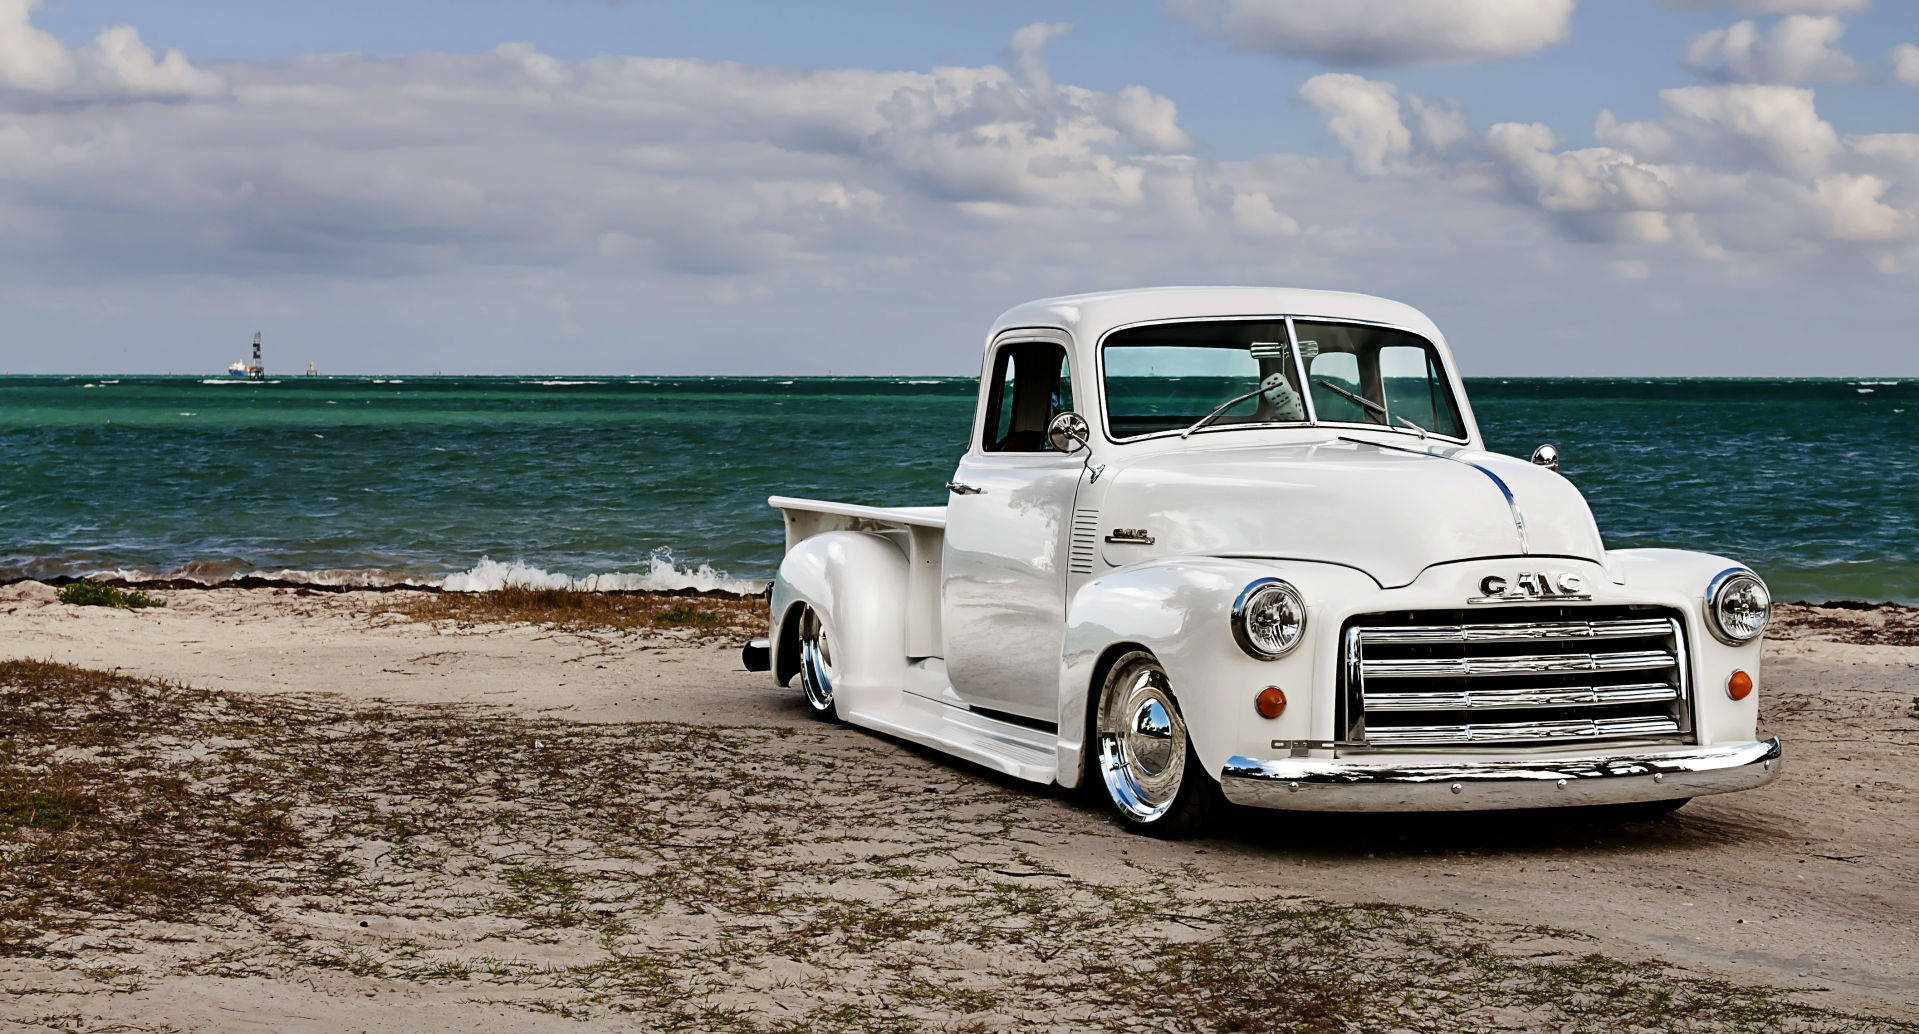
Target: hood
{"type": "Point", "coordinates": [1391, 512]}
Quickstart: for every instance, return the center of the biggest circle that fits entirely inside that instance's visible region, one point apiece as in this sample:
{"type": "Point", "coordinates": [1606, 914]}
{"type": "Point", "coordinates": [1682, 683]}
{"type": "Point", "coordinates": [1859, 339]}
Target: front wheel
{"type": "Point", "coordinates": [816, 664]}
{"type": "Point", "coordinates": [1154, 781]}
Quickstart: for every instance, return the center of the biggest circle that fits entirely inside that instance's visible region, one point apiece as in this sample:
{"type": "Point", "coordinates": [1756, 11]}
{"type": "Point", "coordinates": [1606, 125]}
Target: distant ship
{"type": "Point", "coordinates": [253, 371]}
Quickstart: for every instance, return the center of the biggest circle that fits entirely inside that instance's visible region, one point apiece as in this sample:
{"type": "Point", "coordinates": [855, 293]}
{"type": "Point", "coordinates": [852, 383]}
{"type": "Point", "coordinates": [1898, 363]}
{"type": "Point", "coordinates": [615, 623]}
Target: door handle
{"type": "Point", "coordinates": [957, 488]}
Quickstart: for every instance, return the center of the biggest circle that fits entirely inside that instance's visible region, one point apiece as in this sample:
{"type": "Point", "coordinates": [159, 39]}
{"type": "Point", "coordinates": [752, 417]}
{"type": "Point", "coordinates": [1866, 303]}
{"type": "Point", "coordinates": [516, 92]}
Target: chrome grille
{"type": "Point", "coordinates": [1512, 676]}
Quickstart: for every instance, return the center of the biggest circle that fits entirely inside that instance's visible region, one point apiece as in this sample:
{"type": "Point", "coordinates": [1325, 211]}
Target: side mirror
{"type": "Point", "coordinates": [1068, 432]}
{"type": "Point", "coordinates": [1547, 456]}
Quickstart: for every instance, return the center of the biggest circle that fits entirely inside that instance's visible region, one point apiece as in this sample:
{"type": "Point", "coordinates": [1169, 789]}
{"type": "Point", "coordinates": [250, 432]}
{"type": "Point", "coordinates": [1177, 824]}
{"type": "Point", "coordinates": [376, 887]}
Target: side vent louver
{"type": "Point", "coordinates": [1085, 544]}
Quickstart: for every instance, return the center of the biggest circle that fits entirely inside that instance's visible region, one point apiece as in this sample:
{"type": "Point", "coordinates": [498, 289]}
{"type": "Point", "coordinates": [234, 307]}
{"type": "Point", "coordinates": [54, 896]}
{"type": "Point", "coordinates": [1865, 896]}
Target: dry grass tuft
{"type": "Point", "coordinates": [704, 616]}
{"type": "Point", "coordinates": [100, 819]}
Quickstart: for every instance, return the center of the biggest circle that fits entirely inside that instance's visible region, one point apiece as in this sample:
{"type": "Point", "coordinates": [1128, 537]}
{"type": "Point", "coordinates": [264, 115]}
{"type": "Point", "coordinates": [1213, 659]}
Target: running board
{"type": "Point", "coordinates": [1017, 750]}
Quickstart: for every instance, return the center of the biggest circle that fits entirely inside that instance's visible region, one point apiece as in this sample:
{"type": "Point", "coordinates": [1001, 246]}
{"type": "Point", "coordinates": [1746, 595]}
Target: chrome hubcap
{"type": "Point", "coordinates": [816, 661]}
{"type": "Point", "coordinates": [1142, 744]}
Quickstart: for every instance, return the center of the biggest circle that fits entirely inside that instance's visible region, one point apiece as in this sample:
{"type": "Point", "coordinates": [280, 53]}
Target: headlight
{"type": "Point", "coordinates": [1737, 606]}
{"type": "Point", "coordinates": [1269, 619]}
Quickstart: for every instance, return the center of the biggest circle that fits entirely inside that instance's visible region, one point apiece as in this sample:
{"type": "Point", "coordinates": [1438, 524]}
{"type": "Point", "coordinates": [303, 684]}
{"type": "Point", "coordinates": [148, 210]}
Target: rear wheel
{"type": "Point", "coordinates": [816, 664]}
{"type": "Point", "coordinates": [1153, 780]}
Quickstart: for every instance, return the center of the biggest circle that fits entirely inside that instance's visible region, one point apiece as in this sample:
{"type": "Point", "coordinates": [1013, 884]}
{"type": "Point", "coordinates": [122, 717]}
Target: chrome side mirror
{"type": "Point", "coordinates": [1547, 456]}
{"type": "Point", "coordinates": [1068, 432]}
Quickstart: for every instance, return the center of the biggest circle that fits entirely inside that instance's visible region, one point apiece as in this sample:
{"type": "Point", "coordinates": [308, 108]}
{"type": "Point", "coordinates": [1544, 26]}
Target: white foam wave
{"type": "Point", "coordinates": [561, 384]}
{"type": "Point", "coordinates": [662, 573]}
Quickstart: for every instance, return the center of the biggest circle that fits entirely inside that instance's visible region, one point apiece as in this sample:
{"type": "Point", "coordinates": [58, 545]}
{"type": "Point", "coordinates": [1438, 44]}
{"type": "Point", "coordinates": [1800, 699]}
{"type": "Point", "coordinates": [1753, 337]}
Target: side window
{"type": "Point", "coordinates": [1031, 384]}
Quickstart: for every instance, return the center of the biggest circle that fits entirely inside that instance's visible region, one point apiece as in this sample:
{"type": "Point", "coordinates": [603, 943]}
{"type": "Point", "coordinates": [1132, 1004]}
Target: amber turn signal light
{"type": "Point", "coordinates": [1739, 685]}
{"type": "Point", "coordinates": [1270, 702]}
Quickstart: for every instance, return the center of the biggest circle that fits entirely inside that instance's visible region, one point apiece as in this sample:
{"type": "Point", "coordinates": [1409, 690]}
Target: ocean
{"type": "Point", "coordinates": [637, 482]}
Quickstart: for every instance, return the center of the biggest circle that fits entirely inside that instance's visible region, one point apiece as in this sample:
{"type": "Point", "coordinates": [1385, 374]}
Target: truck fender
{"type": "Point", "coordinates": [857, 583]}
{"type": "Point", "coordinates": [1680, 577]}
{"type": "Point", "coordinates": [1179, 609]}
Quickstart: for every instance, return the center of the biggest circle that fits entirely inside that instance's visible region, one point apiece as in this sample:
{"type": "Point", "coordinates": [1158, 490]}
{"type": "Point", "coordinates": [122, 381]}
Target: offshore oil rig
{"type": "Point", "coordinates": [253, 371]}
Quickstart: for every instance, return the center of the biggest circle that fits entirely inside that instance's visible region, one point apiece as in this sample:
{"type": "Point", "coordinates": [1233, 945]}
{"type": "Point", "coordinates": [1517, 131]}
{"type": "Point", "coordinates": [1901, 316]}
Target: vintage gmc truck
{"type": "Point", "coordinates": [1247, 544]}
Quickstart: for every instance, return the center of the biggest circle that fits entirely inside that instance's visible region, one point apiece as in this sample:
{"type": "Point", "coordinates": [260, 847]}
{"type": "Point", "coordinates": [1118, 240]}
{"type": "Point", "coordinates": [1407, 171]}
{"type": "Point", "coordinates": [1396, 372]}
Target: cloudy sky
{"type": "Point", "coordinates": [1617, 187]}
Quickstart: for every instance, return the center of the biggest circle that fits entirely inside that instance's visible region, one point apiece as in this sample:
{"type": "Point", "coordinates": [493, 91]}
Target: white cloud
{"type": "Point", "coordinates": [1363, 115]}
{"type": "Point", "coordinates": [1384, 32]}
{"type": "Point", "coordinates": [1798, 48]}
{"type": "Point", "coordinates": [1026, 52]}
{"type": "Point", "coordinates": [1773, 125]}
{"type": "Point", "coordinates": [1151, 120]}
{"type": "Point", "coordinates": [1254, 213]}
{"type": "Point", "coordinates": [1728, 171]}
{"type": "Point", "coordinates": [30, 58]}
{"type": "Point", "coordinates": [1366, 117]}
{"type": "Point", "coordinates": [1438, 125]}
{"type": "Point", "coordinates": [1644, 139]}
{"type": "Point", "coordinates": [125, 66]}
{"type": "Point", "coordinates": [1854, 209]}
{"type": "Point", "coordinates": [1905, 64]}
{"type": "Point", "coordinates": [117, 65]}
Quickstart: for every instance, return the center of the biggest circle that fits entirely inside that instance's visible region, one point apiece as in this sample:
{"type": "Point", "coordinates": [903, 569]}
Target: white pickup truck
{"type": "Point", "coordinates": [1247, 544]}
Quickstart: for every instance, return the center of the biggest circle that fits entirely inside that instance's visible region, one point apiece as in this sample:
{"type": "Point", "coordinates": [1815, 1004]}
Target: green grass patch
{"type": "Point", "coordinates": [95, 594]}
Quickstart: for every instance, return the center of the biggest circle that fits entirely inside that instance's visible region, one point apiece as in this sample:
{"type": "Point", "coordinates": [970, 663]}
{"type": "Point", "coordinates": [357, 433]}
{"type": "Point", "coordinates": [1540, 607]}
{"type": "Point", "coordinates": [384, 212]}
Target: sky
{"type": "Point", "coordinates": [1568, 187]}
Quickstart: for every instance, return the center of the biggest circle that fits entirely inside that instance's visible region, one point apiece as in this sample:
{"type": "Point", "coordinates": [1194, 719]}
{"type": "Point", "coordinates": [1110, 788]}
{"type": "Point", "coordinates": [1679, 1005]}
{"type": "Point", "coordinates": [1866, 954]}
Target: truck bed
{"type": "Point", "coordinates": [918, 531]}
{"type": "Point", "coordinates": [915, 516]}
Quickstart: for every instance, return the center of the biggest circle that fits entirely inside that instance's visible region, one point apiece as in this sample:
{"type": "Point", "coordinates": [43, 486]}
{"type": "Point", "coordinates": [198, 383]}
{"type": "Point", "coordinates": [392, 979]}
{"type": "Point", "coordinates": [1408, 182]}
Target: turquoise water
{"type": "Point", "coordinates": [661, 482]}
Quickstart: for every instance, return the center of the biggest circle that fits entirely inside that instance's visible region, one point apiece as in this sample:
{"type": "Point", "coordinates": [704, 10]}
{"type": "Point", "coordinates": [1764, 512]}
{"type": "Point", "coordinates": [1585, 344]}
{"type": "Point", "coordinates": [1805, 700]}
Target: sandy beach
{"type": "Point", "coordinates": [515, 825]}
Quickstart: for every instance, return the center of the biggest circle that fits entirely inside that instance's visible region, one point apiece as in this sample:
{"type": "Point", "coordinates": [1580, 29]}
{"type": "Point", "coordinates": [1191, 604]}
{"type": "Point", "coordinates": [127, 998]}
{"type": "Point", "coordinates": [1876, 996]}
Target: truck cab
{"type": "Point", "coordinates": [1247, 545]}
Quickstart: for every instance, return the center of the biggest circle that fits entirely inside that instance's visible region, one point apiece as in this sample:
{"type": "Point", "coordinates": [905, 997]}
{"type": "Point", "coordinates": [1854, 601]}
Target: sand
{"type": "Point", "coordinates": [1807, 884]}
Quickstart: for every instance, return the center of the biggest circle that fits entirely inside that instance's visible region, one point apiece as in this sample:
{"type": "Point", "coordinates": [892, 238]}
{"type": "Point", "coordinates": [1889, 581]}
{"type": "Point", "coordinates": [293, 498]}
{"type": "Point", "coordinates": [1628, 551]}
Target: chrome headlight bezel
{"type": "Point", "coordinates": [1252, 605]}
{"type": "Point", "coordinates": [1726, 587]}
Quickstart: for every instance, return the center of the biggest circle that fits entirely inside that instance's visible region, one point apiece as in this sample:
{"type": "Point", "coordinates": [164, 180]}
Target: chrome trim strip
{"type": "Point", "coordinates": [1305, 378]}
{"type": "Point", "coordinates": [1515, 632]}
{"type": "Point", "coordinates": [1520, 732]}
{"type": "Point", "coordinates": [1512, 504]}
{"type": "Point", "coordinates": [1682, 661]}
{"type": "Point", "coordinates": [1469, 667]}
{"type": "Point", "coordinates": [1355, 684]}
{"type": "Point", "coordinates": [1523, 697]}
{"type": "Point", "coordinates": [1437, 784]}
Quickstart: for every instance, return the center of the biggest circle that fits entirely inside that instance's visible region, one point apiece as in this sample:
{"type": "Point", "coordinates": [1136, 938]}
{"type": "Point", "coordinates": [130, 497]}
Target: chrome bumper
{"type": "Point", "coordinates": [1474, 784]}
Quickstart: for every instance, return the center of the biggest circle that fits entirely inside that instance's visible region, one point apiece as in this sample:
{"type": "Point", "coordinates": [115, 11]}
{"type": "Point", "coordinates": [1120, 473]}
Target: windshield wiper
{"type": "Point", "coordinates": [1223, 407]}
{"type": "Point", "coordinates": [1369, 404]}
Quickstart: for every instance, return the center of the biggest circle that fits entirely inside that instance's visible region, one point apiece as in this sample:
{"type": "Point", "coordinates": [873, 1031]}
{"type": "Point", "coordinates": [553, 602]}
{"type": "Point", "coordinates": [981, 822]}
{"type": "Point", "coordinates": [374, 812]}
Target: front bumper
{"type": "Point", "coordinates": [1479, 783]}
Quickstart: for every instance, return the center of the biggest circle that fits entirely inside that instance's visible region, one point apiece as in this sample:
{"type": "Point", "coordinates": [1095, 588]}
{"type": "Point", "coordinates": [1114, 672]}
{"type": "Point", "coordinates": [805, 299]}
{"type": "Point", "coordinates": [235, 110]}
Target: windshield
{"type": "Point", "coordinates": [1397, 374]}
{"type": "Point", "coordinates": [1170, 376]}
{"type": "Point", "coordinates": [1204, 376]}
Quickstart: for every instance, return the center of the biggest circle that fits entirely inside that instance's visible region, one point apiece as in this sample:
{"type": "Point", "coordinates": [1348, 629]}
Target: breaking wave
{"type": "Point", "coordinates": [662, 573]}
